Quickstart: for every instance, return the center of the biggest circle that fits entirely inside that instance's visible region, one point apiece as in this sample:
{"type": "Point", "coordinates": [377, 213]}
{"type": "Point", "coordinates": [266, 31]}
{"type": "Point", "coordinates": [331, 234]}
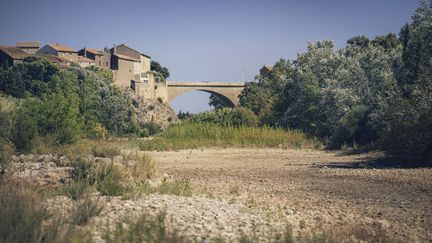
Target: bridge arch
{"type": "Point", "coordinates": [228, 92]}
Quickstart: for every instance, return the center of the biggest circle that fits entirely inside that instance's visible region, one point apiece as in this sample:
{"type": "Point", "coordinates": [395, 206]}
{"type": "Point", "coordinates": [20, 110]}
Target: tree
{"type": "Point", "coordinates": [155, 66]}
{"type": "Point", "coordinates": [218, 101]}
{"type": "Point", "coordinates": [361, 41]}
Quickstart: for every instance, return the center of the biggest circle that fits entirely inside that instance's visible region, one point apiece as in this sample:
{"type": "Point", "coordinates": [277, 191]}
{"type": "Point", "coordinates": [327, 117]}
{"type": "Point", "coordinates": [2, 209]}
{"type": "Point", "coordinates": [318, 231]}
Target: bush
{"type": "Point", "coordinates": [238, 116]}
{"type": "Point", "coordinates": [23, 132]}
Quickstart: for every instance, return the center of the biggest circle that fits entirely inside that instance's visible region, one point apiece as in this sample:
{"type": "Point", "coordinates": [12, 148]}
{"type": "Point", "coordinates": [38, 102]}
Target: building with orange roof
{"type": "Point", "coordinates": [60, 51]}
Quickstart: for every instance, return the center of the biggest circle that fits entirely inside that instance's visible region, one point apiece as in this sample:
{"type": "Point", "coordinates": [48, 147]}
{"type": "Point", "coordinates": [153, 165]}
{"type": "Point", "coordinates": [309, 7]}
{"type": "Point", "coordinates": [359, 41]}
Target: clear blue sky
{"type": "Point", "coordinates": [202, 40]}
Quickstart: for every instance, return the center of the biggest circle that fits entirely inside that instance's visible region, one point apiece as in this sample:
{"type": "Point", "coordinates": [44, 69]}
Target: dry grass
{"type": "Point", "coordinates": [194, 135]}
{"type": "Point", "coordinates": [84, 147]}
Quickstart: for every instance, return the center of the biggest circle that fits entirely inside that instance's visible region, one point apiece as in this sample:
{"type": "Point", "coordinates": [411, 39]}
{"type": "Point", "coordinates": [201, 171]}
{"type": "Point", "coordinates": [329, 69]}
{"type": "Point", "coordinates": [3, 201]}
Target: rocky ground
{"type": "Point", "coordinates": [153, 111]}
{"type": "Point", "coordinates": [257, 192]}
{"type": "Point", "coordinates": [313, 190]}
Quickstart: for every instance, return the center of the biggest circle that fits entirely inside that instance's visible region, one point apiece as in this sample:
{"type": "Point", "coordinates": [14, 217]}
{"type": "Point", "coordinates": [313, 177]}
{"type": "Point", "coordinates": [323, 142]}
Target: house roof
{"type": "Point", "coordinates": [61, 48]}
{"type": "Point", "coordinates": [124, 45]}
{"type": "Point", "coordinates": [84, 59]}
{"type": "Point", "coordinates": [28, 44]}
{"type": "Point", "coordinates": [14, 52]}
{"type": "Point", "coordinates": [53, 58]}
{"type": "Point", "coordinates": [124, 57]}
{"type": "Point", "coordinates": [93, 51]}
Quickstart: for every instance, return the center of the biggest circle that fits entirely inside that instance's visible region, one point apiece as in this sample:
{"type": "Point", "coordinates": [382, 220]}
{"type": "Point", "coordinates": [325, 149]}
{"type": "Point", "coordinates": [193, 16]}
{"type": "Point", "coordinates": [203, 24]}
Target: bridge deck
{"type": "Point", "coordinates": [204, 84]}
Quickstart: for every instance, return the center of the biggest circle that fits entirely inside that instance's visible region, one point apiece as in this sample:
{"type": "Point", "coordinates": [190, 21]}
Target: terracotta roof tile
{"type": "Point", "coordinates": [94, 51]}
{"type": "Point", "coordinates": [28, 44]}
{"type": "Point", "coordinates": [126, 57]}
{"type": "Point", "coordinates": [14, 52]}
{"type": "Point", "coordinates": [84, 59]}
{"type": "Point", "coordinates": [62, 48]}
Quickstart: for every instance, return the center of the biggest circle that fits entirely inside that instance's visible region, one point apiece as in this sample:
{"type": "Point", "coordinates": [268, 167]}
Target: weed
{"type": "Point", "coordinates": [179, 188]}
{"type": "Point", "coordinates": [145, 229]}
{"type": "Point", "coordinates": [78, 189]}
{"type": "Point", "coordinates": [143, 167]}
{"type": "Point", "coordinates": [189, 135]}
{"type": "Point", "coordinates": [109, 179]}
{"type": "Point", "coordinates": [105, 150]}
{"type": "Point", "coordinates": [21, 213]}
{"type": "Point", "coordinates": [85, 209]}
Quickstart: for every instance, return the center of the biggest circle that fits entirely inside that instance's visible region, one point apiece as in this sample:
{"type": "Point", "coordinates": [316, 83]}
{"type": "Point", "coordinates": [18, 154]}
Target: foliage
{"type": "Point", "coordinates": [6, 124]}
{"type": "Point", "coordinates": [188, 135]}
{"type": "Point", "coordinates": [155, 66]}
{"type": "Point", "coordinates": [219, 102]}
{"type": "Point", "coordinates": [370, 92]}
{"type": "Point", "coordinates": [238, 116]}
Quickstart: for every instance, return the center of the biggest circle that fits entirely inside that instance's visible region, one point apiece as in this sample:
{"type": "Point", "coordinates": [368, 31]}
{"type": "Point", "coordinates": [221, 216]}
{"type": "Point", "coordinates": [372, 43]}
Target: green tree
{"type": "Point", "coordinates": [155, 66]}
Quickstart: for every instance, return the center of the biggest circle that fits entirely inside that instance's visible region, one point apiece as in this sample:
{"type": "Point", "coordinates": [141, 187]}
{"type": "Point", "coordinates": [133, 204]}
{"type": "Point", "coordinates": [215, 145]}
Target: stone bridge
{"type": "Point", "coordinates": [229, 92]}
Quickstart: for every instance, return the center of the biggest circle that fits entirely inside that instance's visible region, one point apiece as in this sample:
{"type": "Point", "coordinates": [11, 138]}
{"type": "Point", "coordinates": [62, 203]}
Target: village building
{"type": "Point", "coordinates": [30, 47]}
{"type": "Point", "coordinates": [132, 69]}
{"type": "Point", "coordinates": [11, 55]}
{"type": "Point", "coordinates": [61, 62]}
{"type": "Point", "coordinates": [60, 51]}
{"type": "Point", "coordinates": [85, 62]}
{"type": "Point", "coordinates": [101, 59]}
{"type": "Point", "coordinates": [265, 71]}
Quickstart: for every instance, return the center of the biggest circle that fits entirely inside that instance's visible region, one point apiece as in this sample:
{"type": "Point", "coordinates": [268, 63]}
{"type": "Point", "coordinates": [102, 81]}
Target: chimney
{"type": "Point", "coordinates": [115, 49]}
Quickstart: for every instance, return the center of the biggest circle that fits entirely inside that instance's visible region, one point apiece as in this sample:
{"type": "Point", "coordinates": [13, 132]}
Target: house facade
{"type": "Point", "coordinates": [101, 59]}
{"type": "Point", "coordinates": [132, 69]}
{"type": "Point", "coordinates": [30, 47]}
{"type": "Point", "coordinates": [60, 51]}
{"type": "Point", "coordinates": [10, 55]}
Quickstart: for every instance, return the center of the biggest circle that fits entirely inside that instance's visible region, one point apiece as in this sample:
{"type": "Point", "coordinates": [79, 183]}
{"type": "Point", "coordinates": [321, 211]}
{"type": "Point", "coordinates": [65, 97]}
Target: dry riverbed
{"type": "Point", "coordinates": [312, 190]}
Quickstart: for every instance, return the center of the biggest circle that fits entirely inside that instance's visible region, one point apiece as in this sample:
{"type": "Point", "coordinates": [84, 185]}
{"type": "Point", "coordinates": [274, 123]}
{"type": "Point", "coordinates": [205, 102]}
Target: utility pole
{"type": "Point", "coordinates": [243, 71]}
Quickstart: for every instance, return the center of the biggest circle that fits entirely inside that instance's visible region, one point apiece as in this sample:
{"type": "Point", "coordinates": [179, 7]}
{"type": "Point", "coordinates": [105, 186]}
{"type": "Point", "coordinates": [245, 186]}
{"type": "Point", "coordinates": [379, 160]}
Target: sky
{"type": "Point", "coordinates": [202, 40]}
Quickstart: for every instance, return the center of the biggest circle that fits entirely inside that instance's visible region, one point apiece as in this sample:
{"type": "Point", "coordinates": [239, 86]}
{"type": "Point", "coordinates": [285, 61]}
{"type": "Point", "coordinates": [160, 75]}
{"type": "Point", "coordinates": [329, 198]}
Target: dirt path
{"type": "Point", "coordinates": [313, 189]}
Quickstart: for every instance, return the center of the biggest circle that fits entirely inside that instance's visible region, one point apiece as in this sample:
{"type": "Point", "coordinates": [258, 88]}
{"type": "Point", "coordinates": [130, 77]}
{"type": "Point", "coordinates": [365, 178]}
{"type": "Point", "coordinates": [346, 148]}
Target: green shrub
{"type": "Point", "coordinates": [23, 132]}
{"type": "Point", "coordinates": [238, 116]}
{"type": "Point", "coordinates": [83, 170]}
{"type": "Point", "coordinates": [109, 179]}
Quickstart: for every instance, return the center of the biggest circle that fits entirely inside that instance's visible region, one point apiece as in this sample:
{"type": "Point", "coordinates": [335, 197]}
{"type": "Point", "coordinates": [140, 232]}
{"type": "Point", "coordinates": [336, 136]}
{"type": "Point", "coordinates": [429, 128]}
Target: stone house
{"type": "Point", "coordinates": [30, 47]}
{"type": "Point", "coordinates": [61, 62]}
{"type": "Point", "coordinates": [10, 55]}
{"type": "Point", "coordinates": [101, 59]}
{"type": "Point", "coordinates": [132, 69]}
{"type": "Point", "coordinates": [60, 51]}
{"type": "Point", "coordinates": [85, 62]}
